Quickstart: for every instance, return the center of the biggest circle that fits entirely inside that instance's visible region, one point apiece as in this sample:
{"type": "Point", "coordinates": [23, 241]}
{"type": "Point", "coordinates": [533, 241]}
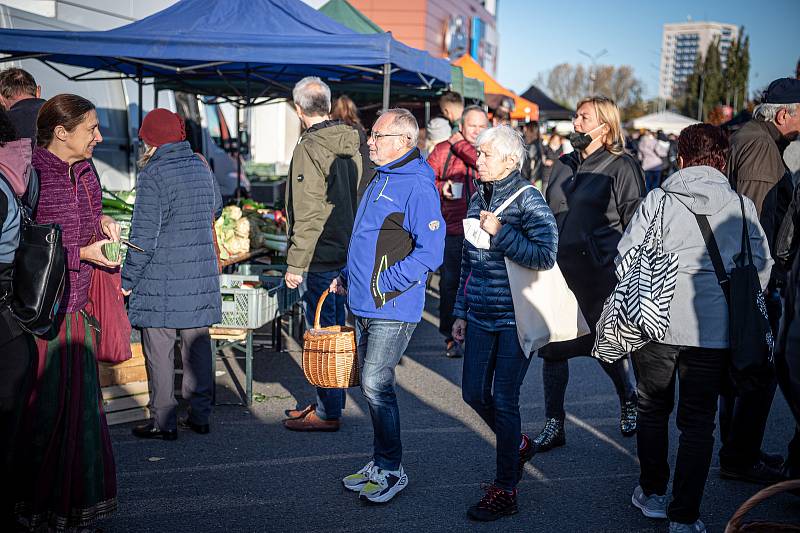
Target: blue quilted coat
{"type": "Point", "coordinates": [175, 282]}
{"type": "Point", "coordinates": [529, 237]}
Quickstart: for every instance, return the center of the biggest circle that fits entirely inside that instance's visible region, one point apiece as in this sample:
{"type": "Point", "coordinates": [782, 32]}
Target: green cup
{"type": "Point", "coordinates": [111, 251]}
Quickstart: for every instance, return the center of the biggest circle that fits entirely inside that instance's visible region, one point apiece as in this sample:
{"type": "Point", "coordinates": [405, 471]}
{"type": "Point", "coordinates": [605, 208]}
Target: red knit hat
{"type": "Point", "coordinates": [162, 126]}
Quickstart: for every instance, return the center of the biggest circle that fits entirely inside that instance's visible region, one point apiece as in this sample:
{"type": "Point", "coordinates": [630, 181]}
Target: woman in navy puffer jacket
{"type": "Point", "coordinates": [494, 365]}
{"type": "Point", "coordinates": [174, 282]}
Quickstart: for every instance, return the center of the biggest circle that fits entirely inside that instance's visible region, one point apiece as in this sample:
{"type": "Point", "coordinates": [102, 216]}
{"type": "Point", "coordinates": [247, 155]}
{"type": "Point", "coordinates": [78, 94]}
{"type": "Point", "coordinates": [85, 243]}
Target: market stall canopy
{"type": "Point", "coordinates": [344, 13]}
{"type": "Point", "coordinates": [523, 109]}
{"type": "Point", "coordinates": [667, 121]}
{"type": "Point", "coordinates": [549, 109]}
{"type": "Point", "coordinates": [248, 49]}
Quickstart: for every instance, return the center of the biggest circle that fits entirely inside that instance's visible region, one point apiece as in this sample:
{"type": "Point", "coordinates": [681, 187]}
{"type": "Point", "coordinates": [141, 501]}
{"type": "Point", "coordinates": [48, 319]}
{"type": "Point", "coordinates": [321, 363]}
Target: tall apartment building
{"type": "Point", "coordinates": [680, 44]}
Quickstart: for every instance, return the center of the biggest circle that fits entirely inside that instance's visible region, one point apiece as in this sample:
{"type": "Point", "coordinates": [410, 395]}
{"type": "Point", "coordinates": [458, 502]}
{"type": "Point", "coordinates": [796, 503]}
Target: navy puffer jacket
{"type": "Point", "coordinates": [529, 237]}
{"type": "Point", "coordinates": [175, 282]}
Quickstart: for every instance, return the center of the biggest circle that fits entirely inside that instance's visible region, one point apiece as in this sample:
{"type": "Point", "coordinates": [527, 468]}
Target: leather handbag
{"type": "Point", "coordinates": [39, 271]}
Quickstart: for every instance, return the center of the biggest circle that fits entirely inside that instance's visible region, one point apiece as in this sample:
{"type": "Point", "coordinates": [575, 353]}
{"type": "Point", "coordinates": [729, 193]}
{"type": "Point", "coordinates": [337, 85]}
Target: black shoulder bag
{"type": "Point", "coordinates": [751, 339]}
{"type": "Point", "coordinates": [39, 270]}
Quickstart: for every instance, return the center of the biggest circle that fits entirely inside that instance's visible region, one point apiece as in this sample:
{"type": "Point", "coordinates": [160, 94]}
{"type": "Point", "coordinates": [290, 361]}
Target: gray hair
{"type": "Point", "coordinates": [506, 141]}
{"type": "Point", "coordinates": [473, 108]}
{"type": "Point", "coordinates": [404, 123]}
{"type": "Point", "coordinates": [313, 96]}
{"type": "Point", "coordinates": [768, 112]}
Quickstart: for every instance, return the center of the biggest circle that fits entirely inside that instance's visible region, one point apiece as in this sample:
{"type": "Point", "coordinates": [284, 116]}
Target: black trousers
{"type": "Point", "coordinates": [700, 373]}
{"type": "Point", "coordinates": [16, 373]}
{"type": "Point", "coordinates": [448, 283]}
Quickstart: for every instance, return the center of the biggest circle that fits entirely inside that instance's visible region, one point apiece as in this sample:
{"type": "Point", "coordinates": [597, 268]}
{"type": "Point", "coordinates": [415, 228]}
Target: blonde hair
{"type": "Point", "coordinates": [608, 113]}
{"type": "Point", "coordinates": [148, 153]}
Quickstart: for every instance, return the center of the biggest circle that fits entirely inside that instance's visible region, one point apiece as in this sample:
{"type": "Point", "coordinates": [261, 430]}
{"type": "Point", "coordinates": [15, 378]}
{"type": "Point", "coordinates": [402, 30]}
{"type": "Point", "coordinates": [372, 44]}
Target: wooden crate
{"type": "Point", "coordinates": [132, 370]}
{"type": "Point", "coordinates": [126, 402]}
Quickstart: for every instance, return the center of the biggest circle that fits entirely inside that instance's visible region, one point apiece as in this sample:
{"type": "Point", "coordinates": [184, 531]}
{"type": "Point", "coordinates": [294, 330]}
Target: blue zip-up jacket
{"type": "Point", "coordinates": [397, 241]}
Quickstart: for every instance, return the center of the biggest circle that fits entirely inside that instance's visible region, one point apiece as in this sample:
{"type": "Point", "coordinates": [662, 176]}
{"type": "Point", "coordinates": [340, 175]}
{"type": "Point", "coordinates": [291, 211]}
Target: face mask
{"type": "Point", "coordinates": [580, 141]}
{"type": "Point", "coordinates": [476, 236]}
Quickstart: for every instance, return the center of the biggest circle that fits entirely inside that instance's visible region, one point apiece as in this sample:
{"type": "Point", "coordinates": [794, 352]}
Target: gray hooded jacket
{"type": "Point", "coordinates": [698, 312]}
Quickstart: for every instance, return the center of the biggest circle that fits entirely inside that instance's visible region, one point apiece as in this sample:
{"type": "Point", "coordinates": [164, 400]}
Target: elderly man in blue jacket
{"type": "Point", "coordinates": [397, 241]}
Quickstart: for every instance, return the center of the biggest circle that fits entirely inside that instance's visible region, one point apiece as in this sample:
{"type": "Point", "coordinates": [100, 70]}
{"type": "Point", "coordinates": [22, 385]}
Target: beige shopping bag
{"type": "Point", "coordinates": [544, 307]}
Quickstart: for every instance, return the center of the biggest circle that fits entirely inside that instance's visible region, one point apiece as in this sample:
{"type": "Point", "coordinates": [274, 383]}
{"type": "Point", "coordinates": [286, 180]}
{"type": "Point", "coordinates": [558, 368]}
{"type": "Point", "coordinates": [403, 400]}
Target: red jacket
{"type": "Point", "coordinates": [461, 162]}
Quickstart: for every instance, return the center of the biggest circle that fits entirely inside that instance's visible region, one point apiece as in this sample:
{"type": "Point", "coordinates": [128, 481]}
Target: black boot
{"type": "Point", "coordinates": [551, 436]}
{"type": "Point", "coordinates": [628, 418]}
{"type": "Point", "coordinates": [496, 503]}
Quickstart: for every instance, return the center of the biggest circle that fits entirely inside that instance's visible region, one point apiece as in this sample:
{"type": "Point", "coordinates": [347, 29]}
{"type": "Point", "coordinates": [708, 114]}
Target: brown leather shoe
{"type": "Point", "coordinates": [300, 413]}
{"type": "Point", "coordinates": [311, 422]}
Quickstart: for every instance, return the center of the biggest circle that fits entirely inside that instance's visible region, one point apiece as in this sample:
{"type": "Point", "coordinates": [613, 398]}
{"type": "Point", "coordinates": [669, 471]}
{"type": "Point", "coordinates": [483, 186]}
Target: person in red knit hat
{"type": "Point", "coordinates": [173, 282]}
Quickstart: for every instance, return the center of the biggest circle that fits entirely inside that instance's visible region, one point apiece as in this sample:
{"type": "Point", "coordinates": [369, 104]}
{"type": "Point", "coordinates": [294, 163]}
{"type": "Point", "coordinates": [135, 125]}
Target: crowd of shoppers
{"type": "Point", "coordinates": [370, 217]}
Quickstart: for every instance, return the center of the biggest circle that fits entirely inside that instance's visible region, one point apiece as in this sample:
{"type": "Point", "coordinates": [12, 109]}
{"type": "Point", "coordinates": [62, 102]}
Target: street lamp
{"type": "Point", "coordinates": [593, 59]}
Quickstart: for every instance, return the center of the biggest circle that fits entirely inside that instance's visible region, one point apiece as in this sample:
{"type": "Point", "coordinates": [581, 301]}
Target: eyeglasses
{"type": "Point", "coordinates": [375, 135]}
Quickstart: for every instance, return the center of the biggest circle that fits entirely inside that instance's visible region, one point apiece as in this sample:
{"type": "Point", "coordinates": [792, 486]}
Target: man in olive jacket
{"type": "Point", "coordinates": [321, 202]}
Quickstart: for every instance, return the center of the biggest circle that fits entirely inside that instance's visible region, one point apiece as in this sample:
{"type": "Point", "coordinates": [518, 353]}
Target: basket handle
{"type": "Point", "coordinates": [319, 308]}
{"type": "Point", "coordinates": [736, 520]}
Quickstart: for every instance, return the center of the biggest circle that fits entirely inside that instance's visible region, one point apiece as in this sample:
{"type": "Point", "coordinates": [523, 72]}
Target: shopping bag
{"type": "Point", "coordinates": [109, 319]}
{"type": "Point", "coordinates": [545, 308]}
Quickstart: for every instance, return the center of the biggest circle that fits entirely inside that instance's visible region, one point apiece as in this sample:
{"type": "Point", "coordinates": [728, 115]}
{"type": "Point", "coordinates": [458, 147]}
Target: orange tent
{"type": "Point", "coordinates": [523, 109]}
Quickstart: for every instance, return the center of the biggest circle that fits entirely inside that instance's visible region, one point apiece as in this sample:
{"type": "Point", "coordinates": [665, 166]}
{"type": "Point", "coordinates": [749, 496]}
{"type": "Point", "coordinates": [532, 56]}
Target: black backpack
{"type": "Point", "coordinates": [751, 339]}
{"type": "Point", "coordinates": [39, 271]}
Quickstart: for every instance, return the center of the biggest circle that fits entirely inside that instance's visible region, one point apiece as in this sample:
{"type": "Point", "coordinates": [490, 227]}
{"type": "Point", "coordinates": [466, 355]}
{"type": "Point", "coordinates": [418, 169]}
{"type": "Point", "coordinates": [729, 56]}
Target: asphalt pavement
{"type": "Point", "coordinates": [251, 475]}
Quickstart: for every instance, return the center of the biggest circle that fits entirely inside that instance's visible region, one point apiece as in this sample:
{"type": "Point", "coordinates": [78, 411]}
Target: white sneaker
{"type": "Point", "coordinates": [653, 506]}
{"type": "Point", "coordinates": [356, 482]}
{"type": "Point", "coordinates": [383, 485]}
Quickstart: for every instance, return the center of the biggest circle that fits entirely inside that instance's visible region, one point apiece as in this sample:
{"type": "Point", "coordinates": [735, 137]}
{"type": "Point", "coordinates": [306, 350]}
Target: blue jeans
{"type": "Point", "coordinates": [494, 368]}
{"type": "Point", "coordinates": [381, 344]}
{"type": "Point", "coordinates": [330, 402]}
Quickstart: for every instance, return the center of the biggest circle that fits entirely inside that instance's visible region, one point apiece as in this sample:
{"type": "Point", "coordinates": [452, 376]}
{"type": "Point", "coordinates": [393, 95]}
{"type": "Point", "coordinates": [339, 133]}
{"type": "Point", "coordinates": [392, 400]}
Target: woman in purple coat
{"type": "Point", "coordinates": [69, 478]}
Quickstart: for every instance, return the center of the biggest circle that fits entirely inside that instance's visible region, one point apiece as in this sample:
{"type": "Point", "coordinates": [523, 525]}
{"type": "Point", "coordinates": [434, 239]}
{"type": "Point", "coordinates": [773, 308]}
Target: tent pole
{"type": "Point", "coordinates": [427, 112]}
{"type": "Point", "coordinates": [141, 110]}
{"type": "Point", "coordinates": [387, 80]}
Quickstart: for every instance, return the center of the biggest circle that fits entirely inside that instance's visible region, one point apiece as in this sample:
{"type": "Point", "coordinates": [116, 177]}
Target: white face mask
{"type": "Point", "coordinates": [475, 235]}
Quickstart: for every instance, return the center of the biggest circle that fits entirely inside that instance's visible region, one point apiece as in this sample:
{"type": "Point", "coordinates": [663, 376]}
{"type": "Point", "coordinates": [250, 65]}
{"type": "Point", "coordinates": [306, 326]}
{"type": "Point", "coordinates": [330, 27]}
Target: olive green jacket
{"type": "Point", "coordinates": [321, 197]}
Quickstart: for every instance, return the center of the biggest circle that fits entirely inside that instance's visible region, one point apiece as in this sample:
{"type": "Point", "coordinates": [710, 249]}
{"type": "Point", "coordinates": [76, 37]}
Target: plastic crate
{"type": "Point", "coordinates": [286, 297]}
{"type": "Point", "coordinates": [246, 308]}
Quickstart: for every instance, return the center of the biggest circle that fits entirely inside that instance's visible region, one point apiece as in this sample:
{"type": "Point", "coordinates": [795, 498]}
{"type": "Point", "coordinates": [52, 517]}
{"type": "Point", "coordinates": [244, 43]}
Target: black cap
{"type": "Point", "coordinates": [783, 91]}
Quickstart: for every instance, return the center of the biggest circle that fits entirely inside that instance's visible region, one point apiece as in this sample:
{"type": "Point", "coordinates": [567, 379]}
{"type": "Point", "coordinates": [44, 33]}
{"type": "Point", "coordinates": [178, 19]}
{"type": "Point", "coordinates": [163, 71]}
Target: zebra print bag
{"type": "Point", "coordinates": [637, 312]}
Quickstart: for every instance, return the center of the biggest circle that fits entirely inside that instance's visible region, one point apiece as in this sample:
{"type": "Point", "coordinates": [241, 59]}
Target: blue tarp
{"type": "Point", "coordinates": [272, 43]}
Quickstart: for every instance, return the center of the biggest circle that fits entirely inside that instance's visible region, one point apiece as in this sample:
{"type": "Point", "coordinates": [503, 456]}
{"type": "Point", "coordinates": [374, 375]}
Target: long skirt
{"type": "Point", "coordinates": [67, 474]}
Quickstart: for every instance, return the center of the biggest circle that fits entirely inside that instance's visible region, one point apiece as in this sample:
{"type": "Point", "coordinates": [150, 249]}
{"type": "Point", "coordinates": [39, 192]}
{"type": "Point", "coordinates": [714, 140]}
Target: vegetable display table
{"type": "Point", "coordinates": [240, 340]}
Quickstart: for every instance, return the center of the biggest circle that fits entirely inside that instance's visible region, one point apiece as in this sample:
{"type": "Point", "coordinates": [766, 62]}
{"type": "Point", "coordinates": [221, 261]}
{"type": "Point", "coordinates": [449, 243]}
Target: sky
{"type": "Point", "coordinates": [536, 35]}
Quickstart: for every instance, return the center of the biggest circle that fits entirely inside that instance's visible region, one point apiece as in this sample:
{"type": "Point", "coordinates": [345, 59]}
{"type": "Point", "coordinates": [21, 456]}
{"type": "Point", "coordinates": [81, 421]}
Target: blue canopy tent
{"type": "Point", "coordinates": [245, 51]}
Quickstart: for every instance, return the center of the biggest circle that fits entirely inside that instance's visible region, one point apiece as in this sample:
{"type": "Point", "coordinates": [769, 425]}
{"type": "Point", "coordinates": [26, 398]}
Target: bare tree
{"type": "Point", "coordinates": [567, 84]}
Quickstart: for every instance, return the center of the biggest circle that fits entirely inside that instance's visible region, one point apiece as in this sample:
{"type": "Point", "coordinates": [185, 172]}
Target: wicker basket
{"type": "Point", "coordinates": [329, 354]}
{"type": "Point", "coordinates": [736, 525]}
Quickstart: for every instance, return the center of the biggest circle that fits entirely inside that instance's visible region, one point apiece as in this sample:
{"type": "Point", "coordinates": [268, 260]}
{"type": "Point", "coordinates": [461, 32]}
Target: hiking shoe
{"type": "Point", "coordinates": [653, 506]}
{"type": "Point", "coordinates": [356, 482]}
{"type": "Point", "coordinates": [454, 350]}
{"type": "Point", "coordinates": [552, 436]}
{"type": "Point", "coordinates": [628, 418]}
{"type": "Point", "coordinates": [697, 527]}
{"type": "Point", "coordinates": [496, 503]}
{"type": "Point", "coordinates": [760, 474]}
{"type": "Point", "coordinates": [383, 485]}
{"type": "Point", "coordinates": [526, 453]}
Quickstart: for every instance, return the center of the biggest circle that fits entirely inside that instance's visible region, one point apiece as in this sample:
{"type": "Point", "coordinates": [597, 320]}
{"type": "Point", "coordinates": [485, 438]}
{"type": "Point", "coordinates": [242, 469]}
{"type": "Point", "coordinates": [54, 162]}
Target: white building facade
{"type": "Point", "coordinates": [681, 43]}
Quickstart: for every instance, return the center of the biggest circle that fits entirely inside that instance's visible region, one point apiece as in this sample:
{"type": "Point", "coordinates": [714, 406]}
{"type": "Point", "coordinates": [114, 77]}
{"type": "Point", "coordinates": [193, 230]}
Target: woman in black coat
{"type": "Point", "coordinates": [593, 193]}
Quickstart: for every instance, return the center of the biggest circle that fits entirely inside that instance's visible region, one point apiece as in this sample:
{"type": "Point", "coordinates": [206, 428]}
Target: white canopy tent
{"type": "Point", "coordinates": [666, 120]}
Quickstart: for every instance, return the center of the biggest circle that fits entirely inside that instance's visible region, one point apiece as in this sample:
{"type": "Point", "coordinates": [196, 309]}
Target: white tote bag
{"type": "Point", "coordinates": [545, 308]}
